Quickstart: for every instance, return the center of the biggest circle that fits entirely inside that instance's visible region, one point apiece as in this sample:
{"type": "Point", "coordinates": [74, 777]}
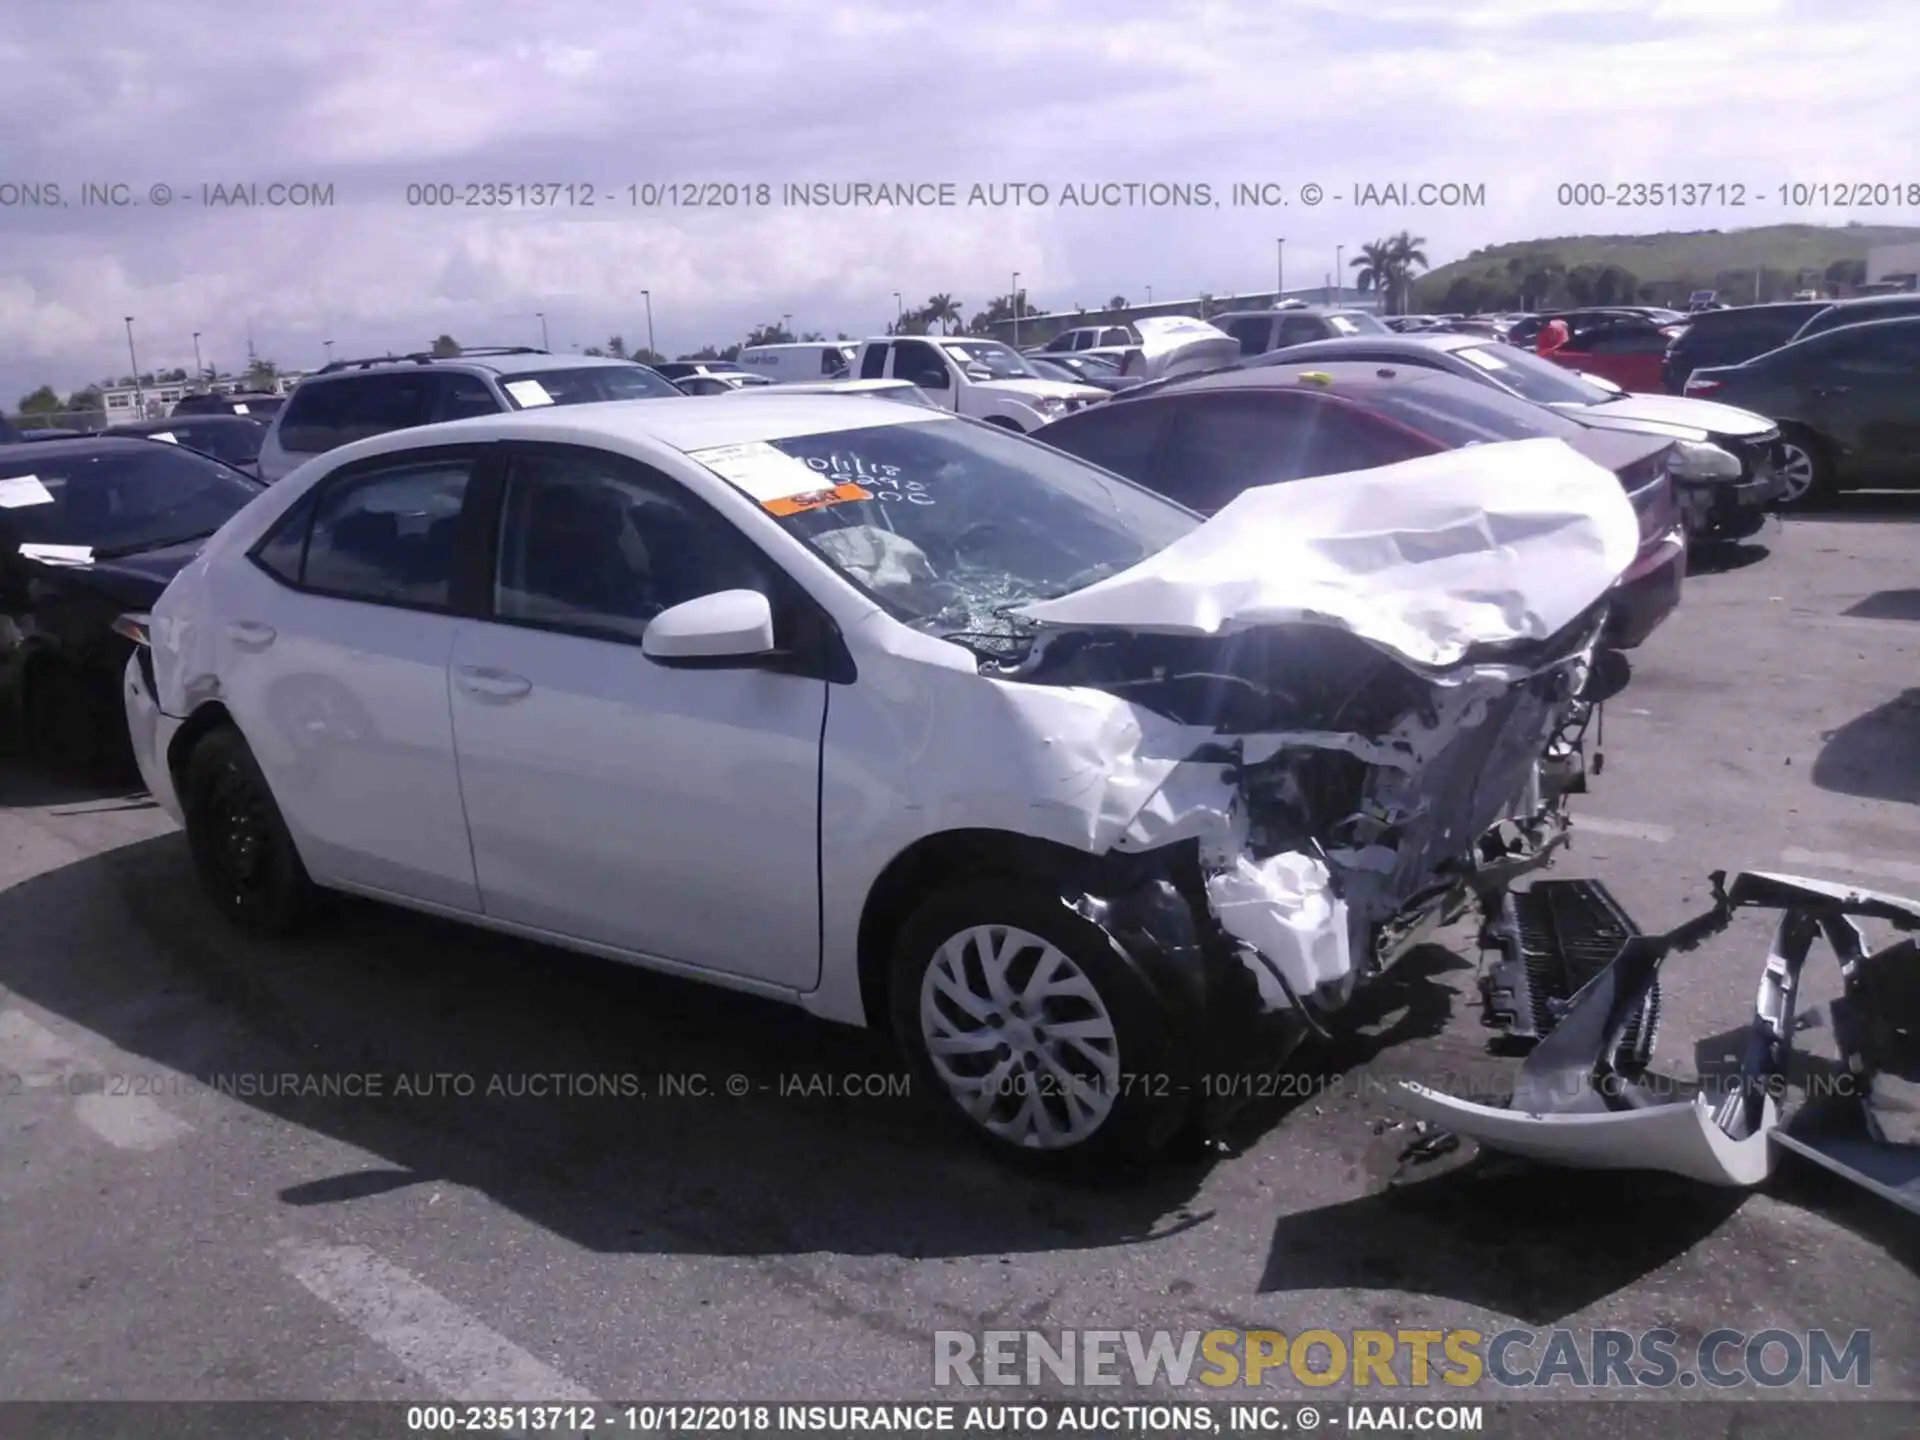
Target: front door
{"type": "Point", "coordinates": [667, 812]}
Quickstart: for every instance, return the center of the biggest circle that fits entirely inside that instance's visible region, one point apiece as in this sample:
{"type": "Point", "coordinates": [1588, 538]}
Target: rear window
{"type": "Point", "coordinates": [1357, 322]}
{"type": "Point", "coordinates": [330, 413]}
{"type": "Point", "coordinates": [586, 384]}
{"type": "Point", "coordinates": [1458, 413]}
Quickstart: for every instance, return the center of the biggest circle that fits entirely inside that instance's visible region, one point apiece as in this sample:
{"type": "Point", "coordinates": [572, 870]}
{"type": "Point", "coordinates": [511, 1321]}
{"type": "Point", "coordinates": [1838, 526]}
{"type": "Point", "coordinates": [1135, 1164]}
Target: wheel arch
{"type": "Point", "coordinates": [207, 717]}
{"type": "Point", "coordinates": [937, 861]}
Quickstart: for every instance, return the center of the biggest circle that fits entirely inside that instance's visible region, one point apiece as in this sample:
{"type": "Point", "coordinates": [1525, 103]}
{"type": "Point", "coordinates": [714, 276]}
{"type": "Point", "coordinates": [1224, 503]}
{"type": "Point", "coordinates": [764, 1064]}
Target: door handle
{"type": "Point", "coordinates": [489, 684]}
{"type": "Point", "coordinates": [250, 634]}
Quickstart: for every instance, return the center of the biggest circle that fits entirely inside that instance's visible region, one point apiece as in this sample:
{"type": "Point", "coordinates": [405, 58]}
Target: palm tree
{"type": "Point", "coordinates": [617, 347]}
{"type": "Point", "coordinates": [942, 310]}
{"type": "Point", "coordinates": [1403, 254]}
{"type": "Point", "coordinates": [1117, 302]}
{"type": "Point", "coordinates": [1375, 264]}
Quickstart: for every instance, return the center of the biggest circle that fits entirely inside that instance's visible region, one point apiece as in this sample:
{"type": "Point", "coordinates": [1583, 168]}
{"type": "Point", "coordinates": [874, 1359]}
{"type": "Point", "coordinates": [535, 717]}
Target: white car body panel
{"type": "Point", "coordinates": [1018, 403]}
{"type": "Point", "coordinates": [666, 816]}
{"type": "Point", "coordinates": [1704, 415]}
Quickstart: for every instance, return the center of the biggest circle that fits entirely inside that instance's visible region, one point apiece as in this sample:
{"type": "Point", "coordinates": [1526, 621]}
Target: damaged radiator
{"type": "Point", "coordinates": [1553, 938]}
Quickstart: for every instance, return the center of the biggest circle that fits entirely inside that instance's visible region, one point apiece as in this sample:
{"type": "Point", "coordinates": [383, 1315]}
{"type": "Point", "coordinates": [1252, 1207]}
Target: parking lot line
{"type": "Point", "coordinates": [46, 1062]}
{"type": "Point", "coordinates": [428, 1333]}
{"type": "Point", "coordinates": [1625, 829]}
{"type": "Point", "coordinates": [1834, 860]}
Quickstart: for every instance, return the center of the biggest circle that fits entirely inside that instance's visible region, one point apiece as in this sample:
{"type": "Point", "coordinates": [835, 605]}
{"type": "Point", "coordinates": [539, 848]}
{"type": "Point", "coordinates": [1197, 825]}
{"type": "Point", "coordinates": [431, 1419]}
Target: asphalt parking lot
{"type": "Point", "coordinates": [165, 1237]}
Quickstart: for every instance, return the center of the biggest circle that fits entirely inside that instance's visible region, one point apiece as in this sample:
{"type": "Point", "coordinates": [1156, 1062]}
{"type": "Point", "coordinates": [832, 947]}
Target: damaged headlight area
{"type": "Point", "coordinates": [1346, 802]}
{"type": "Point", "coordinates": [1582, 1098]}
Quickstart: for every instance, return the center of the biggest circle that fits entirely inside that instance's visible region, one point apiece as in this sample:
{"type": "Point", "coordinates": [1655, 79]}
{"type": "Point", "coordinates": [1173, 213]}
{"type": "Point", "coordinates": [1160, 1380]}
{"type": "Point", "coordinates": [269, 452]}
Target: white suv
{"type": "Point", "coordinates": [984, 379]}
{"type": "Point", "coordinates": [901, 719]}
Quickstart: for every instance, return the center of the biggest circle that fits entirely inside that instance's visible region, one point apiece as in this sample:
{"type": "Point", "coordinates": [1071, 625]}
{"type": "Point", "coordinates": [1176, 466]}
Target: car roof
{"type": "Point", "coordinates": [1892, 322]}
{"type": "Point", "coordinates": [682, 422]}
{"type": "Point", "coordinates": [513, 361]}
{"type": "Point", "coordinates": [1284, 310]}
{"type": "Point", "coordinates": [1343, 377]}
{"type": "Point", "coordinates": [177, 421]}
{"type": "Point", "coordinates": [1336, 345]}
{"type": "Point", "coordinates": [1867, 302]}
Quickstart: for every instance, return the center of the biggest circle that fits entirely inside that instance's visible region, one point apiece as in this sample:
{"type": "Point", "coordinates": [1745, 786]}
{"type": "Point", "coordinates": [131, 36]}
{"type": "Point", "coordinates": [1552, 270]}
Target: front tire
{"type": "Point", "coordinates": [1032, 1031]}
{"type": "Point", "coordinates": [241, 847]}
{"type": "Point", "coordinates": [1808, 469]}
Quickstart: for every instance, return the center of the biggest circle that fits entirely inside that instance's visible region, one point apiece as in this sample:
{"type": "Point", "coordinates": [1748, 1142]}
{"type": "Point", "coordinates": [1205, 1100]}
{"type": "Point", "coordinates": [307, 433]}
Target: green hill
{"type": "Point", "coordinates": [1660, 269]}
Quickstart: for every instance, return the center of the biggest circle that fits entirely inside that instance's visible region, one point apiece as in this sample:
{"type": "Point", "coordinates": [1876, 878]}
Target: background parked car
{"type": "Point", "coordinates": [1621, 345]}
{"type": "Point", "coordinates": [1727, 466]}
{"type": "Point", "coordinates": [984, 379]}
{"type": "Point", "coordinates": [1259, 331]}
{"type": "Point", "coordinates": [236, 439]}
{"type": "Point", "coordinates": [89, 529]}
{"type": "Point", "coordinates": [681, 369]}
{"type": "Point", "coordinates": [1202, 439]}
{"type": "Point", "coordinates": [1726, 337]}
{"type": "Point", "coordinates": [1859, 312]}
{"type": "Point", "coordinates": [1091, 337]}
{"type": "Point", "coordinates": [720, 384]}
{"type": "Point", "coordinates": [353, 399]}
{"type": "Point", "coordinates": [1847, 401]}
{"type": "Point", "coordinates": [243, 402]}
{"type": "Point", "coordinates": [1097, 370]}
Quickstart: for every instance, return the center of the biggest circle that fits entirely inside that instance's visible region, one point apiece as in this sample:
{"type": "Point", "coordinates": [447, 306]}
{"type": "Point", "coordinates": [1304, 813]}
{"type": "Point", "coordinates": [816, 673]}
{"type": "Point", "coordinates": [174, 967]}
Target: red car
{"type": "Point", "coordinates": [1625, 348]}
{"type": "Point", "coordinates": [1201, 439]}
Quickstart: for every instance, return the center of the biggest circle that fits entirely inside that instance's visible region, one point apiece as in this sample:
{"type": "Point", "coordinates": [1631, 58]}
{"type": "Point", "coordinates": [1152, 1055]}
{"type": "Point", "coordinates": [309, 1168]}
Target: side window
{"type": "Point", "coordinates": [387, 536]}
{"type": "Point", "coordinates": [285, 547]}
{"type": "Point", "coordinates": [1341, 438]}
{"type": "Point", "coordinates": [1891, 351]}
{"type": "Point", "coordinates": [1119, 437]}
{"type": "Point", "coordinates": [465, 396]}
{"type": "Point", "coordinates": [1299, 329]}
{"type": "Point", "coordinates": [831, 365]}
{"type": "Point", "coordinates": [919, 362]}
{"type": "Point", "coordinates": [1222, 445]}
{"type": "Point", "coordinates": [314, 420]}
{"type": "Point", "coordinates": [1624, 340]}
{"type": "Point", "coordinates": [1252, 333]}
{"type": "Point", "coordinates": [873, 364]}
{"type": "Point", "coordinates": [596, 544]}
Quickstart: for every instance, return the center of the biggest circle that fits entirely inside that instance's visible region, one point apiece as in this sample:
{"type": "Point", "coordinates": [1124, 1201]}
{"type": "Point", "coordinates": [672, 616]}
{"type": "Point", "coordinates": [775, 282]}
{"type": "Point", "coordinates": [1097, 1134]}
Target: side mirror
{"type": "Point", "coordinates": [728, 627]}
{"type": "Point", "coordinates": [931, 379]}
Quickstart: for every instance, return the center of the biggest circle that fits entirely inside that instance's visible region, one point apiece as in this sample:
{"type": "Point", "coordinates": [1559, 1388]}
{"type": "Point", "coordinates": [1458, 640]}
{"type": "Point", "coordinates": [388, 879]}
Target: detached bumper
{"type": "Point", "coordinates": [1647, 593]}
{"type": "Point", "coordinates": [152, 733]}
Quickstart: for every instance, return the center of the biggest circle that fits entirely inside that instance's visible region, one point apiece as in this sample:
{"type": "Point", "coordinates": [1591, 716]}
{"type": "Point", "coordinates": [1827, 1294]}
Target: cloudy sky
{"type": "Point", "coordinates": [372, 96]}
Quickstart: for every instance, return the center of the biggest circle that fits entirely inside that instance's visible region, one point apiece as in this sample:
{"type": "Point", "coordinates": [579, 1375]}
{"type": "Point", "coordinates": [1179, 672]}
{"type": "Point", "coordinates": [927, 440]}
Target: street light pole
{"type": "Point", "coordinates": [139, 396]}
{"type": "Point", "coordinates": [899, 307]}
{"type": "Point", "coordinates": [199, 366]}
{"type": "Point", "coordinates": [786, 325]}
{"type": "Point", "coordinates": [329, 345]}
{"type": "Point", "coordinates": [1339, 274]}
{"type": "Point", "coordinates": [647, 295]}
{"type": "Point", "coordinates": [1280, 269]}
{"type": "Point", "coordinates": [541, 316]}
{"type": "Point", "coordinates": [1016, 309]}
{"type": "Point", "coordinates": [1149, 295]}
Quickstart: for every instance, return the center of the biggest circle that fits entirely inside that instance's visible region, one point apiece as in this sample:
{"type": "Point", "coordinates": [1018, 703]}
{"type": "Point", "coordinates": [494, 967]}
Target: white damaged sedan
{"type": "Point", "coordinates": [896, 716]}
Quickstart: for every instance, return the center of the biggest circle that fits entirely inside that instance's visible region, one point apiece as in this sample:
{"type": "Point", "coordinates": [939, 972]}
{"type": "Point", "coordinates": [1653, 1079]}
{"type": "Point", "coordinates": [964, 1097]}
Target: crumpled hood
{"type": "Point", "coordinates": [1678, 410]}
{"type": "Point", "coordinates": [1426, 559]}
{"type": "Point", "coordinates": [1031, 390]}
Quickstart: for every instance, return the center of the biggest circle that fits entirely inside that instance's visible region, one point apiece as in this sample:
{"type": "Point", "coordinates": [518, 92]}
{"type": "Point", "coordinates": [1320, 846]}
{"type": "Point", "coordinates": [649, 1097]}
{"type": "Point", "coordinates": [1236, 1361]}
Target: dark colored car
{"type": "Point", "coordinates": [232, 438]}
{"type": "Point", "coordinates": [1259, 331]}
{"type": "Point", "coordinates": [1859, 311]}
{"type": "Point", "coordinates": [1716, 505]}
{"type": "Point", "coordinates": [89, 530]}
{"type": "Point", "coordinates": [244, 402]}
{"type": "Point", "coordinates": [9, 432]}
{"type": "Point", "coordinates": [1847, 401]}
{"type": "Point", "coordinates": [34, 433]}
{"type": "Point", "coordinates": [1726, 337]}
{"type": "Point", "coordinates": [1202, 439]}
{"type": "Point", "coordinates": [1096, 371]}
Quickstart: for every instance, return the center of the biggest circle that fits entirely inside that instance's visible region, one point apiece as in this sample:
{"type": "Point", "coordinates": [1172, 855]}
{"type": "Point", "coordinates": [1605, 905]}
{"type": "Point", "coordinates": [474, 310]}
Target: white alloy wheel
{"type": "Point", "coordinates": [1797, 468]}
{"type": "Point", "coordinates": [1020, 1037]}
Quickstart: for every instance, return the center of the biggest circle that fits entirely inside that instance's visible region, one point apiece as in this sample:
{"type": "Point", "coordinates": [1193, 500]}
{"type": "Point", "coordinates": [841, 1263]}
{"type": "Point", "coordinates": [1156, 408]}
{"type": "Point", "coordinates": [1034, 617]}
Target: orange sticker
{"type": "Point", "coordinates": [815, 500]}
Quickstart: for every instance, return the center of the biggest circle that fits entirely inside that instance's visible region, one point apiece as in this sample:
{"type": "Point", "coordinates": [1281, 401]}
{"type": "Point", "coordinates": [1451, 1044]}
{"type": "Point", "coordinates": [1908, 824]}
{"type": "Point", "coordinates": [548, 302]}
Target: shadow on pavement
{"type": "Point", "coordinates": [1723, 557]}
{"type": "Point", "coordinates": [1887, 605]}
{"type": "Point", "coordinates": [25, 785]}
{"type": "Point", "coordinates": [536, 1077]}
{"type": "Point", "coordinates": [1877, 755]}
{"type": "Point", "coordinates": [1863, 507]}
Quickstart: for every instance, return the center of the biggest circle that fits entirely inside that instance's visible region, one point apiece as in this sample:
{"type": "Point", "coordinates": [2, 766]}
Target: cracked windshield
{"type": "Point", "coordinates": [952, 526]}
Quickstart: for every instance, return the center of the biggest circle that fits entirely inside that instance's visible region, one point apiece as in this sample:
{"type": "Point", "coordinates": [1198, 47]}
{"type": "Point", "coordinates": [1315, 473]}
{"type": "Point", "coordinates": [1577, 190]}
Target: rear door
{"type": "Point", "coordinates": [925, 365]}
{"type": "Point", "coordinates": [1866, 397]}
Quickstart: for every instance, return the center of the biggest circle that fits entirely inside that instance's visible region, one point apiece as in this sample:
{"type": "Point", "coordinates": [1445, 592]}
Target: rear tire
{"type": "Point", "coordinates": [241, 847]}
{"type": "Point", "coordinates": [1063, 1060]}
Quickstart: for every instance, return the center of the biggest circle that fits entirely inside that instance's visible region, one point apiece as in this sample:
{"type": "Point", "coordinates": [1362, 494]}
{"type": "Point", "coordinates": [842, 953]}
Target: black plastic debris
{"type": "Point", "coordinates": [1553, 938]}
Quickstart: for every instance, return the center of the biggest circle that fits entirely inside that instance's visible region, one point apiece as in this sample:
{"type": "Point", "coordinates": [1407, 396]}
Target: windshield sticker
{"type": "Point", "coordinates": [166, 435]}
{"type": "Point", "coordinates": [815, 500]}
{"type": "Point", "coordinates": [766, 474]}
{"type": "Point", "coordinates": [59, 554]}
{"type": "Point", "coordinates": [22, 491]}
{"type": "Point", "coordinates": [241, 410]}
{"type": "Point", "coordinates": [1485, 359]}
{"type": "Point", "coordinates": [1342, 324]}
{"type": "Point", "coordinates": [529, 392]}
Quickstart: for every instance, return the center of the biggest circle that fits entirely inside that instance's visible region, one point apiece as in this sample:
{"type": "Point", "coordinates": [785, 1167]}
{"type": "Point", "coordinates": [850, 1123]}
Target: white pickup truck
{"type": "Point", "coordinates": [984, 379]}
